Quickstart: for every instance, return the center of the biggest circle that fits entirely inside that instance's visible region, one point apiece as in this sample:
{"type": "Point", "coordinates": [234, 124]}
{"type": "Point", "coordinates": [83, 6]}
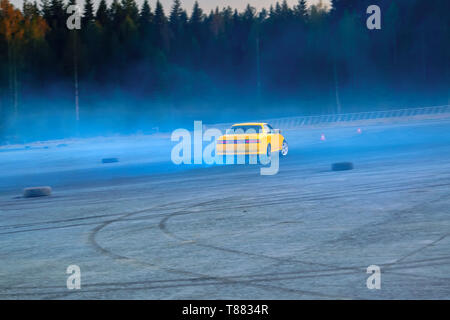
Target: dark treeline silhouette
{"type": "Point", "coordinates": [169, 62]}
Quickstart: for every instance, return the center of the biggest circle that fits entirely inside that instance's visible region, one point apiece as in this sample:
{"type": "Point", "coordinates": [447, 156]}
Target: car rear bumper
{"type": "Point", "coordinates": [234, 153]}
{"type": "Point", "coordinates": [240, 149]}
{"type": "Point", "coordinates": [247, 149]}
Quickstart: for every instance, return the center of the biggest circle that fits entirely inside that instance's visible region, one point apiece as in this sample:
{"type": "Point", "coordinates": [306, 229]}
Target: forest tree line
{"type": "Point", "coordinates": [296, 52]}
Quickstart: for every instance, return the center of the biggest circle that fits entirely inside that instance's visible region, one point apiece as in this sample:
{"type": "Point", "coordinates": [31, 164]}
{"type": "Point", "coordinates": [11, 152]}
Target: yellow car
{"type": "Point", "coordinates": [256, 138]}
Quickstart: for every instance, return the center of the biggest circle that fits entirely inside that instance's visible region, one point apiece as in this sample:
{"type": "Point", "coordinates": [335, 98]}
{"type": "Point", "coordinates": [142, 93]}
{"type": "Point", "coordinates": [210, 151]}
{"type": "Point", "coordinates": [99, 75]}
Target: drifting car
{"type": "Point", "coordinates": [252, 138]}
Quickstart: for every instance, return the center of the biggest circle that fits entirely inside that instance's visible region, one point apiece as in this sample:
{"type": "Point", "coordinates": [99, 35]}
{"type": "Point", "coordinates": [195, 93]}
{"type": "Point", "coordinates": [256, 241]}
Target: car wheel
{"type": "Point", "coordinates": [284, 149]}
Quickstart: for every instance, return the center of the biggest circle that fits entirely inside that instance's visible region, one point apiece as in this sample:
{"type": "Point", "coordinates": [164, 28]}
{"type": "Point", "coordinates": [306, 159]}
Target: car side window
{"type": "Point", "coordinates": [268, 128]}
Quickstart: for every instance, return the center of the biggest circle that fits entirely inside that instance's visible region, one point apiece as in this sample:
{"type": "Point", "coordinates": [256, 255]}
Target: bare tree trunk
{"type": "Point", "coordinates": [424, 62]}
{"type": "Point", "coordinates": [16, 87]}
{"type": "Point", "coordinates": [75, 78]}
{"type": "Point", "coordinates": [336, 89]}
{"type": "Point", "coordinates": [12, 76]}
{"type": "Point", "coordinates": [10, 73]}
{"type": "Point", "coordinates": [258, 70]}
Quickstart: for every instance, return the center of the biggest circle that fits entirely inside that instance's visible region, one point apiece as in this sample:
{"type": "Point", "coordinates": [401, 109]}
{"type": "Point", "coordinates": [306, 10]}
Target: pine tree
{"type": "Point", "coordinates": [116, 14]}
{"type": "Point", "coordinates": [175, 13]}
{"type": "Point", "coordinates": [57, 35]}
{"type": "Point", "coordinates": [263, 15]}
{"type": "Point", "coordinates": [278, 10]}
{"type": "Point", "coordinates": [35, 26]}
{"type": "Point", "coordinates": [183, 18]}
{"type": "Point", "coordinates": [11, 29]}
{"type": "Point", "coordinates": [46, 10]}
{"type": "Point", "coordinates": [301, 10]}
{"type": "Point", "coordinates": [57, 10]}
{"type": "Point", "coordinates": [54, 14]}
{"type": "Point", "coordinates": [102, 14]}
{"type": "Point", "coordinates": [30, 9]}
{"type": "Point", "coordinates": [88, 12]}
{"type": "Point", "coordinates": [227, 12]}
{"type": "Point", "coordinates": [286, 12]}
{"type": "Point", "coordinates": [131, 10]}
{"type": "Point", "coordinates": [175, 18]}
{"type": "Point", "coordinates": [271, 12]}
{"type": "Point", "coordinates": [216, 25]}
{"type": "Point", "coordinates": [249, 13]}
{"type": "Point", "coordinates": [146, 15]}
{"type": "Point", "coordinates": [197, 15]}
{"type": "Point", "coordinates": [160, 22]}
{"type": "Point", "coordinates": [160, 17]}
{"type": "Point", "coordinates": [196, 20]}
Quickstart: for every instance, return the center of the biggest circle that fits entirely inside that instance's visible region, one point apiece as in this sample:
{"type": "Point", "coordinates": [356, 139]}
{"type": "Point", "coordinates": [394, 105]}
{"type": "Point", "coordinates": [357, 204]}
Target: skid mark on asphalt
{"type": "Point", "coordinates": [220, 280]}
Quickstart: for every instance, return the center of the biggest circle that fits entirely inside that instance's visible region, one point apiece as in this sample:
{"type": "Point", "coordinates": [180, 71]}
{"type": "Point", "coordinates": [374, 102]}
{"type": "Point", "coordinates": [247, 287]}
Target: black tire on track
{"type": "Point", "coordinates": [33, 192]}
{"type": "Point", "coordinates": [342, 166]}
{"type": "Point", "coordinates": [110, 160]}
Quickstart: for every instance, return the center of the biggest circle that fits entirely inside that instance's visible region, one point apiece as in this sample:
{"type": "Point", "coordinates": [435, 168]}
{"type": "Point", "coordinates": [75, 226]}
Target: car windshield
{"type": "Point", "coordinates": [245, 129]}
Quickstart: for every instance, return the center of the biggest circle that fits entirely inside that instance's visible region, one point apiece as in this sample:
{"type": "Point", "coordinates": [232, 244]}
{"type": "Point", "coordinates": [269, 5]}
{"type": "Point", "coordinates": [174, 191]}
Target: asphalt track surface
{"type": "Point", "coordinates": [149, 229]}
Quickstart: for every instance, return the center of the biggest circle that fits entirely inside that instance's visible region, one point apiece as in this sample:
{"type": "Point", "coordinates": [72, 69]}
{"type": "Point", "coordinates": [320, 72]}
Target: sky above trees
{"type": "Point", "coordinates": [205, 4]}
